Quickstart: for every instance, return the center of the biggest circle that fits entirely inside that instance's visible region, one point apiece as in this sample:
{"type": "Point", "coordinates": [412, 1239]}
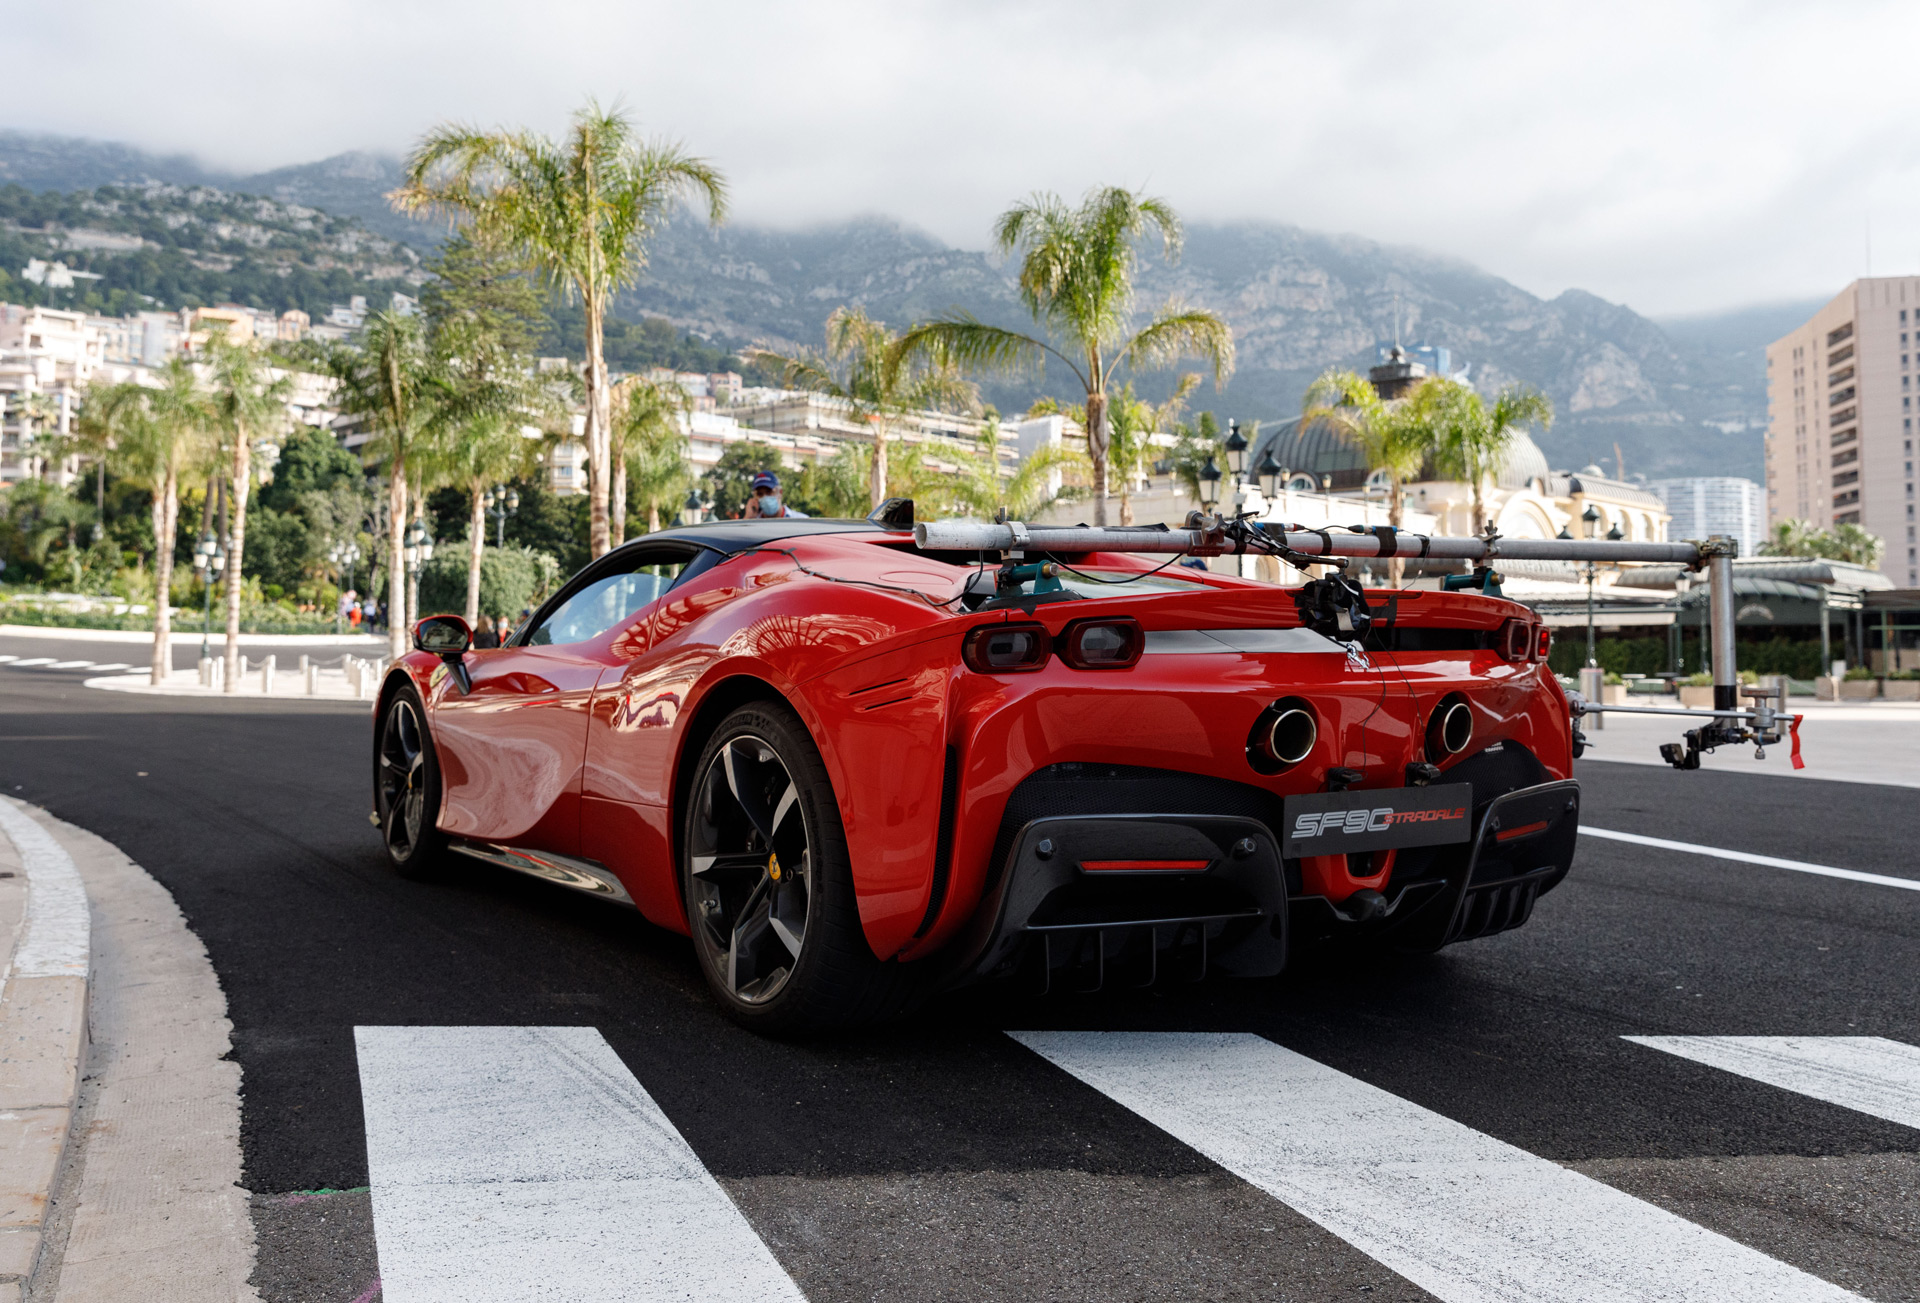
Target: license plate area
{"type": "Point", "coordinates": [1339, 823]}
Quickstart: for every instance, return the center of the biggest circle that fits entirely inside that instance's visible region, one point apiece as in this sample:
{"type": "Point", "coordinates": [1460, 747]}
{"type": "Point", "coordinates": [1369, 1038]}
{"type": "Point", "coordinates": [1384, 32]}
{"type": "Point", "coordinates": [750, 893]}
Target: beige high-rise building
{"type": "Point", "coordinates": [1840, 398]}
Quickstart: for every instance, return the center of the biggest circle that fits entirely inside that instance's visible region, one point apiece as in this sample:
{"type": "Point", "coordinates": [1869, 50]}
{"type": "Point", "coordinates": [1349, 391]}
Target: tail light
{"type": "Point", "coordinates": [1516, 640]}
{"type": "Point", "coordinates": [1007, 648]}
{"type": "Point", "coordinates": [1542, 643]}
{"type": "Point", "coordinates": [1101, 644]}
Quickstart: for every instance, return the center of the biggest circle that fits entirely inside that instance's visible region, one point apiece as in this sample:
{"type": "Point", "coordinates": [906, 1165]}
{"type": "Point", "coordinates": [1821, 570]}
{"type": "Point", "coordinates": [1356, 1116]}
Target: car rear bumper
{"type": "Point", "coordinates": [1084, 900]}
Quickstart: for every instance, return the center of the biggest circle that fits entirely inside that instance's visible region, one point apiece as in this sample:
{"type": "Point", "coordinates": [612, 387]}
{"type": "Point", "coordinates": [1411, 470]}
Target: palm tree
{"type": "Point", "coordinates": [649, 449]}
{"type": "Point", "coordinates": [1390, 436]}
{"type": "Point", "coordinates": [865, 368]}
{"type": "Point", "coordinates": [1473, 439]}
{"type": "Point", "coordinates": [249, 404]}
{"type": "Point", "coordinates": [479, 454]}
{"type": "Point", "coordinates": [391, 381]}
{"type": "Point", "coordinates": [159, 435]}
{"type": "Point", "coordinates": [1134, 422]}
{"type": "Point", "coordinates": [34, 411]}
{"type": "Point", "coordinates": [1193, 447]}
{"type": "Point", "coordinates": [1794, 538]}
{"type": "Point", "coordinates": [979, 488]}
{"type": "Point", "coordinates": [1861, 547]}
{"type": "Point", "coordinates": [579, 210]}
{"type": "Point", "coordinates": [1396, 437]}
{"type": "Point", "coordinates": [1076, 278]}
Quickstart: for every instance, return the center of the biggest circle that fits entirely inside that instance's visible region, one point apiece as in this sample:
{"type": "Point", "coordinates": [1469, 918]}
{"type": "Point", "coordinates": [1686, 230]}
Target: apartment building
{"type": "Point", "coordinates": [1704, 505]}
{"type": "Point", "coordinates": [1840, 393]}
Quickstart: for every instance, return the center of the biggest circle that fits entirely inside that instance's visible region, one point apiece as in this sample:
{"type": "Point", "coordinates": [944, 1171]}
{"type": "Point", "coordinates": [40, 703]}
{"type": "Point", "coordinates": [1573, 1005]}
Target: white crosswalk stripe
{"type": "Point", "coordinates": [5, 659]}
{"type": "Point", "coordinates": [1466, 1217]}
{"type": "Point", "coordinates": [115, 665]}
{"type": "Point", "coordinates": [1868, 1074]}
{"type": "Point", "coordinates": [513, 1163]}
{"type": "Point", "coordinates": [1747, 857]}
{"type": "Point", "coordinates": [32, 660]}
{"type": "Point", "coordinates": [70, 665]}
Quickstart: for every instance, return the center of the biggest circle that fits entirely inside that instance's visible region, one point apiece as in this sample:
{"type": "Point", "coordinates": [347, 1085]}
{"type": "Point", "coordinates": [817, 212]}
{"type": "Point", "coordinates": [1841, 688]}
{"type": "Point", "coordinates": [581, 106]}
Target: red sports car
{"type": "Point", "coordinates": [854, 770]}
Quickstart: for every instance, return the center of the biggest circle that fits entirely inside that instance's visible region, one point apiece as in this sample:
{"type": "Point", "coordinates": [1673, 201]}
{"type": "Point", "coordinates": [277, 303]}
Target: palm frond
{"type": "Point", "coordinates": [1184, 332]}
{"type": "Point", "coordinates": [963, 340]}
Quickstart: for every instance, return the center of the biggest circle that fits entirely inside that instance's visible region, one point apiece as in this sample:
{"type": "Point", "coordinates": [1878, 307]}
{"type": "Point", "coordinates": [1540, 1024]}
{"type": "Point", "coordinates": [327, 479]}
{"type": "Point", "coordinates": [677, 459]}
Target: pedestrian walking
{"type": "Point", "coordinates": [484, 637]}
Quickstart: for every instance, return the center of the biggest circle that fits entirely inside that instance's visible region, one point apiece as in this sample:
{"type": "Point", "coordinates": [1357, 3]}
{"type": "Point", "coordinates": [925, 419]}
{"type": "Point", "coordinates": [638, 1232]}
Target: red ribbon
{"type": "Point", "coordinates": [1794, 729]}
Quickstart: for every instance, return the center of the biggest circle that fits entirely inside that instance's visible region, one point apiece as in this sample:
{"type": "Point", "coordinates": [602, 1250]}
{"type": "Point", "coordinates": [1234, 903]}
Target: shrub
{"type": "Point", "coordinates": [511, 580]}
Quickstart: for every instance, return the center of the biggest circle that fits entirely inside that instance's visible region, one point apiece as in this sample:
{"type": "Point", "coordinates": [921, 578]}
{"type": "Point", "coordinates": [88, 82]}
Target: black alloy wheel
{"type": "Point", "coordinates": [768, 886]}
{"type": "Point", "coordinates": [750, 868]}
{"type": "Point", "coordinates": [407, 786]}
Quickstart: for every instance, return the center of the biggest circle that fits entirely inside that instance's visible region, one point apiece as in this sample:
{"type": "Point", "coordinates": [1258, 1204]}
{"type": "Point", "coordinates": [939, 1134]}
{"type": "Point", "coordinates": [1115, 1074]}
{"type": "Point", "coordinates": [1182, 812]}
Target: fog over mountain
{"type": "Point", "coordinates": [1686, 396]}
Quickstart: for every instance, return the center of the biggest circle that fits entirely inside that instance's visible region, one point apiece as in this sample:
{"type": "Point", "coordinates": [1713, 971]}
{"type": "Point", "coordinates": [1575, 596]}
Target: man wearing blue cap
{"type": "Point", "coordinates": [766, 499]}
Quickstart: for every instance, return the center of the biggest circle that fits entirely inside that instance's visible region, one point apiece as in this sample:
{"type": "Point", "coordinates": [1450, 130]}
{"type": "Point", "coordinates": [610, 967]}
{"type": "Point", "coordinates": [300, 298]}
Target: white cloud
{"type": "Point", "coordinates": [1677, 156]}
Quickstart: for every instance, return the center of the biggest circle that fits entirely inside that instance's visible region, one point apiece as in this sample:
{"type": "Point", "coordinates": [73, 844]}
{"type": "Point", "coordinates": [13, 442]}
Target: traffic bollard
{"type": "Point", "coordinates": [206, 671]}
{"type": "Point", "coordinates": [312, 673]}
{"type": "Point", "coordinates": [267, 667]}
{"type": "Point", "coordinates": [1593, 688]}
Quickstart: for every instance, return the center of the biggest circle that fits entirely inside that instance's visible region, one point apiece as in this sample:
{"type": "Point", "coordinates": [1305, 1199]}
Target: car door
{"type": "Point", "coordinates": [512, 748]}
{"type": "Point", "coordinates": [630, 737]}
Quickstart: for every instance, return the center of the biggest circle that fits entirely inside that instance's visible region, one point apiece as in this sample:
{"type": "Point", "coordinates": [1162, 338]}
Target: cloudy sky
{"type": "Point", "coordinates": [1680, 156]}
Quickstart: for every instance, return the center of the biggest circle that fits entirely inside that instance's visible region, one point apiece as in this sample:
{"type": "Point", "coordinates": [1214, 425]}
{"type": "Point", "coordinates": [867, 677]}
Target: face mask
{"type": "Point", "coordinates": [770, 505]}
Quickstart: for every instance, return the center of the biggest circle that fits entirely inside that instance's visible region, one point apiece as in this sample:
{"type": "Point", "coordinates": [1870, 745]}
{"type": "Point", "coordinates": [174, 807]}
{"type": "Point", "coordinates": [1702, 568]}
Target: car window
{"type": "Point", "coordinates": [607, 601]}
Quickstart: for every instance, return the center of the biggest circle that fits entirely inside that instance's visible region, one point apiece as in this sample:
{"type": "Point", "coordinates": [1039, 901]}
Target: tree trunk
{"type": "Point", "coordinates": [1098, 434]}
{"type": "Point", "coordinates": [599, 423]}
{"type": "Point", "coordinates": [1126, 500]}
{"type": "Point", "coordinates": [166, 511]}
{"type": "Point", "coordinates": [237, 552]}
{"type": "Point", "coordinates": [397, 557]}
{"type": "Point", "coordinates": [878, 485]}
{"type": "Point", "coordinates": [653, 518]}
{"type": "Point", "coordinates": [1396, 568]}
{"type": "Point", "coordinates": [476, 544]}
{"type": "Point", "coordinates": [617, 500]}
{"type": "Point", "coordinates": [418, 505]}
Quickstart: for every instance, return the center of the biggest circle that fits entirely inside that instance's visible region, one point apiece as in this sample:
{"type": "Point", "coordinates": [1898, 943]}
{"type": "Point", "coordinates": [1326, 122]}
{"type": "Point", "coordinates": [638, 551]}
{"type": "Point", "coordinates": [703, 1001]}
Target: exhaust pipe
{"type": "Point", "coordinates": [1450, 731]}
{"type": "Point", "coordinates": [1292, 736]}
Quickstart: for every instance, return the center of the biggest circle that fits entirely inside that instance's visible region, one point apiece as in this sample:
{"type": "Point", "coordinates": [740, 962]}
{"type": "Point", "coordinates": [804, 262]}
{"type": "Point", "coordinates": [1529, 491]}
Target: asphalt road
{"type": "Point", "coordinates": [943, 1159]}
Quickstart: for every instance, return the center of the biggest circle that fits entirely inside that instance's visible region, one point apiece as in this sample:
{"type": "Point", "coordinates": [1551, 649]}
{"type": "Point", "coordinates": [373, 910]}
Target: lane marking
{"type": "Point", "coordinates": [1868, 1074]}
{"type": "Point", "coordinates": [514, 1163]}
{"type": "Point", "coordinates": [68, 665]}
{"type": "Point", "coordinates": [32, 660]}
{"type": "Point", "coordinates": [1468, 1218]}
{"type": "Point", "coordinates": [1745, 857]}
{"type": "Point", "coordinates": [115, 665]}
{"type": "Point", "coordinates": [5, 659]}
{"type": "Point", "coordinates": [56, 937]}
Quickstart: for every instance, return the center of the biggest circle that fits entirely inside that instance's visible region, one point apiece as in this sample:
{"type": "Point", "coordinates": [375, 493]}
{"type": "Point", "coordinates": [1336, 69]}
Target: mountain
{"type": "Point", "coordinates": [1680, 397]}
{"type": "Point", "coordinates": [157, 244]}
{"type": "Point", "coordinates": [350, 185]}
{"type": "Point", "coordinates": [1299, 302]}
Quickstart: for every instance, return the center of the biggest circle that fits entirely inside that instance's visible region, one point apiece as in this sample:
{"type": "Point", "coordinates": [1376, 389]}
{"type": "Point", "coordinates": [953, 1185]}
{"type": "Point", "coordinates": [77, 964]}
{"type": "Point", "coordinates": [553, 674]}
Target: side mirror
{"type": "Point", "coordinates": [448, 637]}
{"type": "Point", "coordinates": [442, 636]}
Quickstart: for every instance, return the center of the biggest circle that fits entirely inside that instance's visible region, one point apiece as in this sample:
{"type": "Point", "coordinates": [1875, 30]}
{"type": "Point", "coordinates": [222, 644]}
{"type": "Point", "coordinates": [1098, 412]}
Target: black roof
{"type": "Point", "coordinates": [739, 535]}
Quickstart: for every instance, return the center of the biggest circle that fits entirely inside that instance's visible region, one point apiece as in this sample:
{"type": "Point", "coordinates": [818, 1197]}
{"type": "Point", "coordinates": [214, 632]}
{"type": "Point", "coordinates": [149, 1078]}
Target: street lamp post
{"type": "Point", "coordinates": [417, 552]}
{"type": "Point", "coordinates": [209, 559]}
{"type": "Point", "coordinates": [1592, 517]}
{"type": "Point", "coordinates": [506, 502]}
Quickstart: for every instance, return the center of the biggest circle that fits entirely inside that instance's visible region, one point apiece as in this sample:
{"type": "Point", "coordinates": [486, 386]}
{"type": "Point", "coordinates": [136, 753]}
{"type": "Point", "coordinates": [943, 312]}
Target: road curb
{"type": "Point", "coordinates": [145, 1198]}
{"type": "Point", "coordinates": [43, 1037]}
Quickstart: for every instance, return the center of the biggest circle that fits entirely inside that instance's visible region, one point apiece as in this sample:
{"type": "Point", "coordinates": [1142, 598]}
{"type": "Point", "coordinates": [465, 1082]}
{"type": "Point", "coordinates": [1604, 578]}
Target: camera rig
{"type": "Point", "coordinates": [1337, 606]}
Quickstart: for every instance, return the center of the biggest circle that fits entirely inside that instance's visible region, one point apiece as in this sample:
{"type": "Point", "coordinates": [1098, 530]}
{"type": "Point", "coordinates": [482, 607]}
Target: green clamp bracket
{"type": "Point", "coordinates": [1484, 579]}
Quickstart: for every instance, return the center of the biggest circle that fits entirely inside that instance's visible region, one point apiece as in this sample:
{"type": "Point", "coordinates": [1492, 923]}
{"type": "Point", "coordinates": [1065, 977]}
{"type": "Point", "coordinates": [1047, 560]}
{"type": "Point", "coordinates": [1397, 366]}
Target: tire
{"type": "Point", "coordinates": [769, 884]}
{"type": "Point", "coordinates": [406, 787]}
